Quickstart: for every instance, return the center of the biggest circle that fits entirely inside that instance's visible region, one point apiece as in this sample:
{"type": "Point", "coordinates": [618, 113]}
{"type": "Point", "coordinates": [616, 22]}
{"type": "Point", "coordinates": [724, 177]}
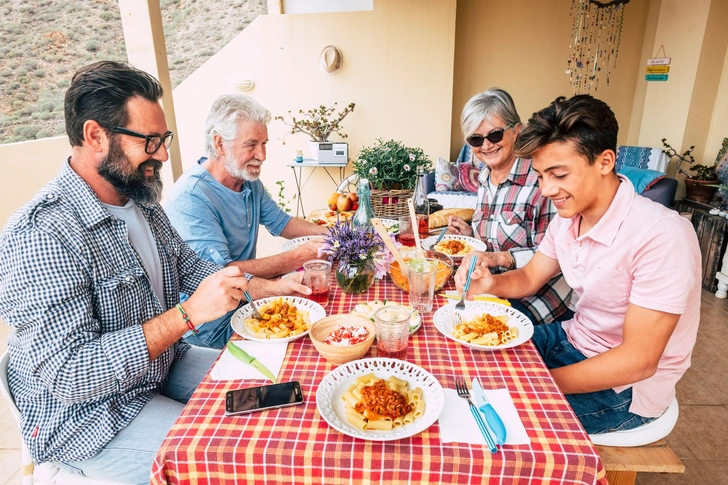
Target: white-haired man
{"type": "Point", "coordinates": [219, 204]}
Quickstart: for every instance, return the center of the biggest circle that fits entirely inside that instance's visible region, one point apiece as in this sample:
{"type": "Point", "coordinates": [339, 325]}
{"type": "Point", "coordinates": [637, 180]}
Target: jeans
{"type": "Point", "coordinates": [600, 411]}
{"type": "Point", "coordinates": [128, 457]}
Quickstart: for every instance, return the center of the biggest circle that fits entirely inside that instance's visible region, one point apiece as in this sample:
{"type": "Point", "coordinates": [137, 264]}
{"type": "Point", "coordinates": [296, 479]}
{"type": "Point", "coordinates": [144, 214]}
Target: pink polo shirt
{"type": "Point", "coordinates": [639, 252]}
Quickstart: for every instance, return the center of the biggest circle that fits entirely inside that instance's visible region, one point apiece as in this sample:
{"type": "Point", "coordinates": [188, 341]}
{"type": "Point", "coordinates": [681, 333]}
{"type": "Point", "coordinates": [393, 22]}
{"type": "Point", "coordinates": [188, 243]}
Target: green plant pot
{"type": "Point", "coordinates": [355, 280]}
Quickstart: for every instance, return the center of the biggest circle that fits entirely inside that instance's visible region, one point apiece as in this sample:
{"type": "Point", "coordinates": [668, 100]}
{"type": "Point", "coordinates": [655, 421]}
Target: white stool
{"type": "Point", "coordinates": [45, 473]}
{"type": "Point", "coordinates": [643, 435]}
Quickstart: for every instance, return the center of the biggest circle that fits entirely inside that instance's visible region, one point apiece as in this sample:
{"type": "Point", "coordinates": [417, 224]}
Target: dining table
{"type": "Point", "coordinates": [296, 445]}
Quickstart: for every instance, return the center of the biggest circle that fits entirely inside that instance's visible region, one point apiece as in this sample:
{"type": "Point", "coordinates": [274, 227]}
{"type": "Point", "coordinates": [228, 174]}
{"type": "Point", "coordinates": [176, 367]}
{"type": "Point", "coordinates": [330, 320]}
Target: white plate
{"type": "Point", "coordinates": [391, 225]}
{"type": "Point", "coordinates": [315, 313]}
{"type": "Point", "coordinates": [476, 244]}
{"type": "Point", "coordinates": [443, 320]}
{"type": "Point", "coordinates": [335, 384]}
{"type": "Point", "coordinates": [415, 319]}
{"type": "Point", "coordinates": [294, 243]}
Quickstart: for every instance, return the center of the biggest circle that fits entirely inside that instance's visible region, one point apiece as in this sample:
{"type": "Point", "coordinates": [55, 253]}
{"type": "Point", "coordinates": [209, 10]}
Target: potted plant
{"type": "Point", "coordinates": [700, 185]}
{"type": "Point", "coordinates": [390, 165]}
{"type": "Point", "coordinates": [318, 123]}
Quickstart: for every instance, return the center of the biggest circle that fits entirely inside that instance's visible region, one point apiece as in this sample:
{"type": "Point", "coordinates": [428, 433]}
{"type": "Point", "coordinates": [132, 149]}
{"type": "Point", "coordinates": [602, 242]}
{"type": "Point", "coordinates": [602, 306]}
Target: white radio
{"type": "Point", "coordinates": [334, 153]}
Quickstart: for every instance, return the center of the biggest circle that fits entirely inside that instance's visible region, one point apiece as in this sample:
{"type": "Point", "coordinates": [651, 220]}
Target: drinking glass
{"type": "Point", "coordinates": [392, 324]}
{"type": "Point", "coordinates": [422, 276]}
{"type": "Point", "coordinates": [316, 275]}
{"type": "Point", "coordinates": [406, 236]}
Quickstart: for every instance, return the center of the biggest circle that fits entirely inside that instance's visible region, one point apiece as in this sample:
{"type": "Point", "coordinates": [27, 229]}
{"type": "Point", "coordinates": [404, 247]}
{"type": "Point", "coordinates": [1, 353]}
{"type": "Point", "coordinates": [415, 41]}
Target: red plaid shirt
{"type": "Point", "coordinates": [516, 221]}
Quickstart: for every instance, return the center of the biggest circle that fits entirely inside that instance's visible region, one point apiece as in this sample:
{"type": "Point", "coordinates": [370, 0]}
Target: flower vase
{"type": "Point", "coordinates": [355, 279]}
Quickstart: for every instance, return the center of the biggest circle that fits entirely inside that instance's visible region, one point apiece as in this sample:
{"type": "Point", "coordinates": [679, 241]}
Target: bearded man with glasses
{"type": "Point", "coordinates": [511, 215]}
{"type": "Point", "coordinates": [90, 276]}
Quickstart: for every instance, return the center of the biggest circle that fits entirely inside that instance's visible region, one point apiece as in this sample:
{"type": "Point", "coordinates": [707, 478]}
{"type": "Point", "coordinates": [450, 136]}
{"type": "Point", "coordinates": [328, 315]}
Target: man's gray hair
{"type": "Point", "coordinates": [225, 116]}
{"type": "Point", "coordinates": [492, 102]}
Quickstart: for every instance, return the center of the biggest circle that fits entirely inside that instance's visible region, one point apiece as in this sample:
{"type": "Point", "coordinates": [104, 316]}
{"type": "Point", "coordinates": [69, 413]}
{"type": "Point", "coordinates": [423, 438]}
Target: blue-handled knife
{"type": "Point", "coordinates": [243, 356]}
{"type": "Point", "coordinates": [491, 417]}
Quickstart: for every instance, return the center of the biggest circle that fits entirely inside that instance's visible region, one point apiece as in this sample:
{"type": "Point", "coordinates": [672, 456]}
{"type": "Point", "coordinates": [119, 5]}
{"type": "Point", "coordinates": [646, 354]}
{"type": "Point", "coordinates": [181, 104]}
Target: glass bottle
{"type": "Point", "coordinates": [422, 205]}
{"type": "Point", "coordinates": [364, 213]}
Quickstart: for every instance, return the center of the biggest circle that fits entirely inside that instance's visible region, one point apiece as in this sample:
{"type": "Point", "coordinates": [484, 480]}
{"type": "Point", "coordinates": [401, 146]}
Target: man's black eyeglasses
{"type": "Point", "coordinates": [154, 142]}
{"type": "Point", "coordinates": [495, 136]}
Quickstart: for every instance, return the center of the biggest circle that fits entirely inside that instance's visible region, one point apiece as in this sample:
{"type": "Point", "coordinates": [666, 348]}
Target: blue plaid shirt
{"type": "Point", "coordinates": [76, 294]}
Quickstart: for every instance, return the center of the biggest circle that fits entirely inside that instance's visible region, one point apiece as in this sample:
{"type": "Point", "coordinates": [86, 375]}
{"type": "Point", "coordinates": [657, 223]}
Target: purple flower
{"type": "Point", "coordinates": [353, 246]}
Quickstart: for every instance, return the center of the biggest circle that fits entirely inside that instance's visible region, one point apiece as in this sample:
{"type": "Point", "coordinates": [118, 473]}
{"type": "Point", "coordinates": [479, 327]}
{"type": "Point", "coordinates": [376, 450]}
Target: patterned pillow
{"type": "Point", "coordinates": [446, 177]}
{"type": "Point", "coordinates": [469, 177]}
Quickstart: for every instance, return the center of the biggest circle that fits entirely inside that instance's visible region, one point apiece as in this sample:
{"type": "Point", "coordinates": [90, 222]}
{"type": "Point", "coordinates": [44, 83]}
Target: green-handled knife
{"type": "Point", "coordinates": [243, 356]}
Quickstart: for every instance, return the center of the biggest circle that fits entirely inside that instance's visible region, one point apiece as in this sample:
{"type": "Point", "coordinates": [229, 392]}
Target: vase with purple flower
{"type": "Point", "coordinates": [356, 250]}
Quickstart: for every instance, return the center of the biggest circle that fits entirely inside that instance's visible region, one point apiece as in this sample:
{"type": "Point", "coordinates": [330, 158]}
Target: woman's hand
{"type": "Point", "coordinates": [456, 225]}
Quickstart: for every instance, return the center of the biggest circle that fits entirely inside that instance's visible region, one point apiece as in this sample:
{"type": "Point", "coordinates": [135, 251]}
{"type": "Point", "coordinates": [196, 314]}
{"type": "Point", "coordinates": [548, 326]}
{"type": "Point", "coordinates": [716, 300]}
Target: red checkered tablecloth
{"type": "Point", "coordinates": [295, 445]}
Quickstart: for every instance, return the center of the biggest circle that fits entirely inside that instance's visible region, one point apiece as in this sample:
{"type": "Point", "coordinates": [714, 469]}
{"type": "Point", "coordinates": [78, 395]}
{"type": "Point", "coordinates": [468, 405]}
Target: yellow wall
{"type": "Point", "coordinates": [522, 47]}
{"type": "Point", "coordinates": [26, 167]}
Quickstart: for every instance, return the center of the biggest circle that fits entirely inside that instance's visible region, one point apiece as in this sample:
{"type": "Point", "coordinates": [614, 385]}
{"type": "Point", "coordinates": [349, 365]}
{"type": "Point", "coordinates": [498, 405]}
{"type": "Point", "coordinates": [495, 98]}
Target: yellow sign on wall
{"type": "Point", "coordinates": [657, 69]}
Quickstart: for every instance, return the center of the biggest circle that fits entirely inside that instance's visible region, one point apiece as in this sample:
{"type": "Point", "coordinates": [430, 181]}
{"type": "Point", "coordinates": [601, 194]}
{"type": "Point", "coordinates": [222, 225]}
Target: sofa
{"type": "Point", "coordinates": [645, 167]}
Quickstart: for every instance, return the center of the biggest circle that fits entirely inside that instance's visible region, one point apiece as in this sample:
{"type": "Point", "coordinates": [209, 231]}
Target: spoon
{"type": "Point", "coordinates": [379, 227]}
{"type": "Point", "coordinates": [415, 229]}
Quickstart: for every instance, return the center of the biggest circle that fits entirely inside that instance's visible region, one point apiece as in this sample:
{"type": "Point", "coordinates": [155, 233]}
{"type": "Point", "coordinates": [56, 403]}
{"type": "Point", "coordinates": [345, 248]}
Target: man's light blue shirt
{"type": "Point", "coordinates": [222, 225]}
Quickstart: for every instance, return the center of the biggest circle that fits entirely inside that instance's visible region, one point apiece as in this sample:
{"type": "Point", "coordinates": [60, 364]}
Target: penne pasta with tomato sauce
{"type": "Point", "coordinates": [382, 405]}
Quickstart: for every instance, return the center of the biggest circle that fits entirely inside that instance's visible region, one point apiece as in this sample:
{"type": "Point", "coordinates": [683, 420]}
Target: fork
{"type": "Point", "coordinates": [462, 389]}
{"type": "Point", "coordinates": [460, 307]}
{"type": "Point", "coordinates": [256, 313]}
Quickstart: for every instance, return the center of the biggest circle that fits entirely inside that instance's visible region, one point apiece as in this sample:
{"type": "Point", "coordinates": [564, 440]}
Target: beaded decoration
{"type": "Point", "coordinates": [596, 31]}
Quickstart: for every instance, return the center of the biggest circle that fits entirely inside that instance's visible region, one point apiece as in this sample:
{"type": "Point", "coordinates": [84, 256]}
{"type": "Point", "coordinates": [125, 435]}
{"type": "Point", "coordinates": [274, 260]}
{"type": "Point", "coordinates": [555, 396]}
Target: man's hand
{"type": "Point", "coordinates": [456, 225]}
{"type": "Point", "coordinates": [288, 286]}
{"type": "Point", "coordinates": [216, 295]}
{"type": "Point", "coordinates": [308, 250]}
{"type": "Point", "coordinates": [481, 281]}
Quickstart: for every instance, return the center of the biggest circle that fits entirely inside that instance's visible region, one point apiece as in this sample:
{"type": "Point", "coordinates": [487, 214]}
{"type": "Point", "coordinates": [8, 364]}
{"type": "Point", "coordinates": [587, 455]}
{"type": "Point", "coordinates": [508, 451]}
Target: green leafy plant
{"type": "Point", "coordinates": [390, 165]}
{"type": "Point", "coordinates": [318, 123]}
{"type": "Point", "coordinates": [702, 172]}
{"type": "Point", "coordinates": [281, 197]}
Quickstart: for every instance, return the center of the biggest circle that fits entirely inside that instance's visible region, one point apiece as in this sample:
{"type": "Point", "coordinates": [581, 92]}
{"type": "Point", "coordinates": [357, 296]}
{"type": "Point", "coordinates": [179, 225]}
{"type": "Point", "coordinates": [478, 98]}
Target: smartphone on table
{"type": "Point", "coordinates": [252, 399]}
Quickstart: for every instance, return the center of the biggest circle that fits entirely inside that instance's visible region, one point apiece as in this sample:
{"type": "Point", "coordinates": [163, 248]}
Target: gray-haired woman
{"type": "Point", "coordinates": [511, 216]}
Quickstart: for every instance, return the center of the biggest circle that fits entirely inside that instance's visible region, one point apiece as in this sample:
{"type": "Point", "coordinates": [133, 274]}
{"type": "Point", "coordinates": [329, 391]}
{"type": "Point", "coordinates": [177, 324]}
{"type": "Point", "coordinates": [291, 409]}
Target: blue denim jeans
{"type": "Point", "coordinates": [599, 412]}
{"type": "Point", "coordinates": [129, 456]}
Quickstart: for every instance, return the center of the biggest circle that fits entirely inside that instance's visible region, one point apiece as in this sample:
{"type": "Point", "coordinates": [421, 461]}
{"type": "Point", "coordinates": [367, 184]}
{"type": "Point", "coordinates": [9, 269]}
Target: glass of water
{"type": "Point", "coordinates": [422, 283]}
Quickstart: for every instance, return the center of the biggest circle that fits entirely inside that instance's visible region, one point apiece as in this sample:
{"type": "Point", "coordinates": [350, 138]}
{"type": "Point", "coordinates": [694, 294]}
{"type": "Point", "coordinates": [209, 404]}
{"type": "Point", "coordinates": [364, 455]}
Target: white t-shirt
{"type": "Point", "coordinates": [141, 239]}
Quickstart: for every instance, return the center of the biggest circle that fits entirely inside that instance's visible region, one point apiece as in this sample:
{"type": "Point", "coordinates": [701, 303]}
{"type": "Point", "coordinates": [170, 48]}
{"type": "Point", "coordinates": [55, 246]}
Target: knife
{"type": "Point", "coordinates": [491, 417]}
{"type": "Point", "coordinates": [243, 356]}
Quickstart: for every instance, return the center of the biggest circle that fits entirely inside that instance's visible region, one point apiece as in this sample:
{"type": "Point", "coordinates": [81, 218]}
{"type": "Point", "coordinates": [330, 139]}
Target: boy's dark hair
{"type": "Point", "coordinates": [586, 122]}
{"type": "Point", "coordinates": [100, 91]}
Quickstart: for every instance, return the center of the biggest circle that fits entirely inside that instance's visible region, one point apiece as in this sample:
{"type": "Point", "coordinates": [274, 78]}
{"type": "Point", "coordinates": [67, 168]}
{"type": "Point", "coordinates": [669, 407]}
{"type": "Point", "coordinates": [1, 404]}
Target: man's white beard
{"type": "Point", "coordinates": [240, 173]}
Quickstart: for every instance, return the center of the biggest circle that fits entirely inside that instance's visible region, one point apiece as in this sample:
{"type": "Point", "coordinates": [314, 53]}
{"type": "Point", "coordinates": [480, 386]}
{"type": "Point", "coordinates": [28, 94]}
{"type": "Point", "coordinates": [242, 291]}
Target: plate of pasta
{"type": "Point", "coordinates": [349, 399]}
{"type": "Point", "coordinates": [294, 243]}
{"type": "Point", "coordinates": [484, 325]}
{"type": "Point", "coordinates": [454, 245]}
{"type": "Point", "coordinates": [285, 319]}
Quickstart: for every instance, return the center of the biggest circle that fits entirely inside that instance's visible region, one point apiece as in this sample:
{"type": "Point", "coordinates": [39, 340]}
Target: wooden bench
{"type": "Point", "coordinates": [622, 464]}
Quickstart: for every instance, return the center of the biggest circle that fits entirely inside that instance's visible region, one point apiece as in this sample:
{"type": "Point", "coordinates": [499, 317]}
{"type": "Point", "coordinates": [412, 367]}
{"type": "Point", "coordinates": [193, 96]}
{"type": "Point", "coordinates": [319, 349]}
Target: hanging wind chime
{"type": "Point", "coordinates": [596, 31]}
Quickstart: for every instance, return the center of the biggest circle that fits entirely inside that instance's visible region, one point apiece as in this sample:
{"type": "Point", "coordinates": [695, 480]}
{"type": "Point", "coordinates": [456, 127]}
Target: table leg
{"type": "Point", "coordinates": [299, 202]}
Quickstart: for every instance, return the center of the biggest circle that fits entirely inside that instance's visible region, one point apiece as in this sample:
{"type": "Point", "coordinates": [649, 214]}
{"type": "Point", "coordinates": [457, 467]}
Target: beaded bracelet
{"type": "Point", "coordinates": [186, 318]}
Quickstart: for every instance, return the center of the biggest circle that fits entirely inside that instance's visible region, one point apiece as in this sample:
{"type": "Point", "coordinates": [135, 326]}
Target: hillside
{"type": "Point", "coordinates": [45, 41]}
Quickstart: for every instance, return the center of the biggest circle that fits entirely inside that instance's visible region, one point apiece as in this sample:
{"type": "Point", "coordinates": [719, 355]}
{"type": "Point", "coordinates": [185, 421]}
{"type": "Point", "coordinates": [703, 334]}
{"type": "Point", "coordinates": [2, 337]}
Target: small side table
{"type": "Point", "coordinates": [711, 231]}
{"type": "Point", "coordinates": [313, 165]}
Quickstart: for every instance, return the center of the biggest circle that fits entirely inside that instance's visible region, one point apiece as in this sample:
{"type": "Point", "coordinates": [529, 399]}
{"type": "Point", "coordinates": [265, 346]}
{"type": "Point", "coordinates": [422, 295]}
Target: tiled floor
{"type": "Point", "coordinates": [700, 438]}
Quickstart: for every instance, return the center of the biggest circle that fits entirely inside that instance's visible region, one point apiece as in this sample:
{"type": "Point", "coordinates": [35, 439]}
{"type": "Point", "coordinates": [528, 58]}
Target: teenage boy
{"type": "Point", "coordinates": [634, 267]}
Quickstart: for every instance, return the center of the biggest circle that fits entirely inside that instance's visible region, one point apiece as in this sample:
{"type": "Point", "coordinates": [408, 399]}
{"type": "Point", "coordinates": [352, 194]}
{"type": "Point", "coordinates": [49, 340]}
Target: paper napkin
{"type": "Point", "coordinates": [270, 355]}
{"type": "Point", "coordinates": [457, 424]}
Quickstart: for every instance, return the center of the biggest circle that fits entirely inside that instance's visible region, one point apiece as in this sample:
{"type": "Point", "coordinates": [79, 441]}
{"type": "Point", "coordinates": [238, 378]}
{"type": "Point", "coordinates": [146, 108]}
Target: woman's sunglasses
{"type": "Point", "coordinates": [495, 136]}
